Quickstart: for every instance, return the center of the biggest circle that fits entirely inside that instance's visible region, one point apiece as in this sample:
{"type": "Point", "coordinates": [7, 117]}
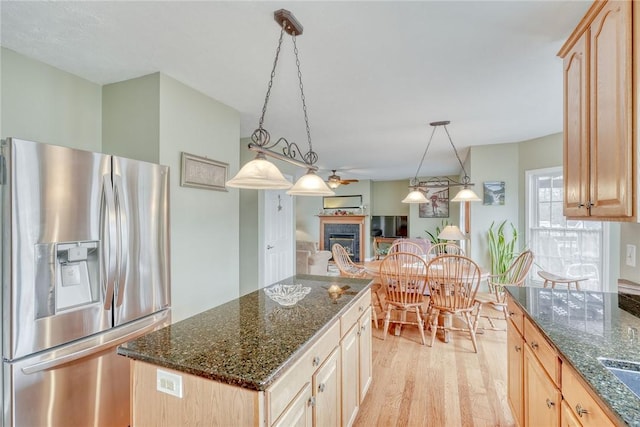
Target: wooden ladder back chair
{"type": "Point", "coordinates": [515, 275]}
{"type": "Point", "coordinates": [453, 282]}
{"type": "Point", "coordinates": [408, 247]}
{"type": "Point", "coordinates": [403, 278]}
{"type": "Point", "coordinates": [444, 249]}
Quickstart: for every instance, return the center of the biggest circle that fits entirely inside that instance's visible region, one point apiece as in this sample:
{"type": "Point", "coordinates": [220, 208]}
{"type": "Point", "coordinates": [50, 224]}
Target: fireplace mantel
{"type": "Point", "coordinates": [343, 220]}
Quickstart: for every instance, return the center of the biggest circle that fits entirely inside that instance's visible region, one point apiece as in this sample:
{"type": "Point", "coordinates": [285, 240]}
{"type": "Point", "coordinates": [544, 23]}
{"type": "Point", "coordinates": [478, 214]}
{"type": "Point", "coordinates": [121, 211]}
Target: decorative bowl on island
{"type": "Point", "coordinates": [286, 295]}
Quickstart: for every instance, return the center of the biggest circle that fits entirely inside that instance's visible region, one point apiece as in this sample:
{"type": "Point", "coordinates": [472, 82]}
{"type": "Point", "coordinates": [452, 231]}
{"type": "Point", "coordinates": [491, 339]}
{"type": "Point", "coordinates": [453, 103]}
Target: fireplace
{"type": "Point", "coordinates": [347, 240]}
{"type": "Point", "coordinates": [347, 230]}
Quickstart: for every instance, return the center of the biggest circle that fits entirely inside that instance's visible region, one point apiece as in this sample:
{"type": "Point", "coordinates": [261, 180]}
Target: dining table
{"type": "Point", "coordinates": [444, 319]}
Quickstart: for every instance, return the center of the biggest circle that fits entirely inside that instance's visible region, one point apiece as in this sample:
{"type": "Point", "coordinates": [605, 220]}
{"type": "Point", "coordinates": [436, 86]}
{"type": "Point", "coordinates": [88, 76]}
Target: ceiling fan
{"type": "Point", "coordinates": [334, 180]}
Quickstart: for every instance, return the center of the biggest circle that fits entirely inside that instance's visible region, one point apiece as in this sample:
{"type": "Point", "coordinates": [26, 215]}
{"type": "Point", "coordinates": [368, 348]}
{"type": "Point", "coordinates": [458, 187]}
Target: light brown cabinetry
{"type": "Point", "coordinates": [579, 401]}
{"type": "Point", "coordinates": [541, 396]}
{"type": "Point", "coordinates": [542, 389]}
{"type": "Point", "coordinates": [599, 154]}
{"type": "Point", "coordinates": [515, 379]}
{"type": "Point", "coordinates": [327, 380]}
{"type": "Point", "coordinates": [356, 360]}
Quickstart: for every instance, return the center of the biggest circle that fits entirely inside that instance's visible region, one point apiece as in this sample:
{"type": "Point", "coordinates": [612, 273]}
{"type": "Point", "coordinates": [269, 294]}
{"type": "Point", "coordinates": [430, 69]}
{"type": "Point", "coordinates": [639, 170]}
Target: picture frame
{"type": "Point", "coordinates": [340, 202]}
{"type": "Point", "coordinates": [201, 172]}
{"type": "Point", "coordinates": [493, 193]}
{"type": "Point", "coordinates": [438, 207]}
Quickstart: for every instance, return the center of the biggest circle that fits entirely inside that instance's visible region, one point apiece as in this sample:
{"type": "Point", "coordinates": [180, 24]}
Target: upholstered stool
{"type": "Point", "coordinates": [555, 279]}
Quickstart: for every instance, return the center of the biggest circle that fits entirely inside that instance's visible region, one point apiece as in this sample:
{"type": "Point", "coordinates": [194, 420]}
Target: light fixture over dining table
{"type": "Point", "coordinates": [260, 173]}
{"type": "Point", "coordinates": [419, 188]}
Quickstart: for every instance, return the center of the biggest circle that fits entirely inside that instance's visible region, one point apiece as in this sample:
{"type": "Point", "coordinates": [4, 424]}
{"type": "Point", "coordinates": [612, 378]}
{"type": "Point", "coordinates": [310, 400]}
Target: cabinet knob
{"type": "Point", "coordinates": [511, 314]}
{"type": "Point", "coordinates": [361, 309]}
{"type": "Point", "coordinates": [316, 361]}
{"type": "Point", "coordinates": [534, 345]}
{"type": "Point", "coordinates": [321, 387]}
{"type": "Point", "coordinates": [312, 401]}
{"type": "Point", "coordinates": [580, 410]}
{"type": "Point", "coordinates": [550, 403]}
{"type": "Point", "coordinates": [518, 348]}
{"type": "Point", "coordinates": [364, 328]}
{"type": "Point", "coordinates": [581, 205]}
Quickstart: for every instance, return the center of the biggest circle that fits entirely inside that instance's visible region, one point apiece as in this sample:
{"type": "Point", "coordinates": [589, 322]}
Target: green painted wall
{"type": "Point", "coordinates": [44, 104]}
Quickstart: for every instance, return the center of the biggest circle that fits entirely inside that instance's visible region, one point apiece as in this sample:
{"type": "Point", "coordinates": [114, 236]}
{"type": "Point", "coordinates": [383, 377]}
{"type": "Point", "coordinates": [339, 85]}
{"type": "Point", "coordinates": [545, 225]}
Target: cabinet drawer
{"type": "Point", "coordinates": [282, 392]}
{"type": "Point", "coordinates": [580, 402]}
{"type": "Point", "coordinates": [516, 315]}
{"type": "Point", "coordinates": [543, 351]}
{"type": "Point", "coordinates": [348, 319]}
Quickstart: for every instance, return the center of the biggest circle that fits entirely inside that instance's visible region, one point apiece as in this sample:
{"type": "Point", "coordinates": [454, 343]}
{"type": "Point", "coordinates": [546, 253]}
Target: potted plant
{"type": "Point", "coordinates": [434, 236]}
{"type": "Point", "coordinates": [501, 249]}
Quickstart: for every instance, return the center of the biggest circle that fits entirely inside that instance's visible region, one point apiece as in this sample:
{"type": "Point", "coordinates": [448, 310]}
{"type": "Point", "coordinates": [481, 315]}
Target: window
{"type": "Point", "coordinates": [564, 247]}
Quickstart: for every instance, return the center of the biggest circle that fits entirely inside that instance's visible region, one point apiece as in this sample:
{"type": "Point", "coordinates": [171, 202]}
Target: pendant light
{"type": "Point", "coordinates": [260, 173]}
{"type": "Point", "coordinates": [419, 188]}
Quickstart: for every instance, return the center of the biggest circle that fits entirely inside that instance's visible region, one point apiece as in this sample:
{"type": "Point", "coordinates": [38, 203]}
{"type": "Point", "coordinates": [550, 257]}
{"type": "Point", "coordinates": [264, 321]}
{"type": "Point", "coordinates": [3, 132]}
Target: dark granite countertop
{"type": "Point", "coordinates": [586, 325]}
{"type": "Point", "coordinates": [251, 340]}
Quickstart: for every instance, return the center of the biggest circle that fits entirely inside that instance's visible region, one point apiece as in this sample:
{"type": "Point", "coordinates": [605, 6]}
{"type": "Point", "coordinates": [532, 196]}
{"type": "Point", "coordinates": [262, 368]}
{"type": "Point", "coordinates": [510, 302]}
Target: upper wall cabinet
{"type": "Point", "coordinates": [599, 148]}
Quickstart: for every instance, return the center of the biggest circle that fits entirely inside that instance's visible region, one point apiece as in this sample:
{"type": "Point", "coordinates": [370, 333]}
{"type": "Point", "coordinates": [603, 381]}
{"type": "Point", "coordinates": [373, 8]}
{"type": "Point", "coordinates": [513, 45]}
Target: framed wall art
{"type": "Point", "coordinates": [200, 172]}
{"type": "Point", "coordinates": [438, 206]}
{"type": "Point", "coordinates": [493, 193]}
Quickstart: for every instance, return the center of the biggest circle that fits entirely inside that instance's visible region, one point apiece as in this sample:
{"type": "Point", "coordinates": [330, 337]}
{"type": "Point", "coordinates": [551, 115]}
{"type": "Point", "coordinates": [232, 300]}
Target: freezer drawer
{"type": "Point", "coordinates": [83, 384]}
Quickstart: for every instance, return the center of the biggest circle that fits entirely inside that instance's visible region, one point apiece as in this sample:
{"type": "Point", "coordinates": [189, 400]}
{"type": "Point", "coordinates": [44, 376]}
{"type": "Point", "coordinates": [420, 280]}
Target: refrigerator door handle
{"type": "Point", "coordinates": [104, 341]}
{"type": "Point", "coordinates": [123, 238]}
{"type": "Point", "coordinates": [108, 253]}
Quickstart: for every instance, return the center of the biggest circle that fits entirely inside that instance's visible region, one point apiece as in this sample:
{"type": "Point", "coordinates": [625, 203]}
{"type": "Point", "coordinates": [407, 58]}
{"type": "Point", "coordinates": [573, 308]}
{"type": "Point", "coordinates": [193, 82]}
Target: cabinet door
{"type": "Point", "coordinates": [326, 386]}
{"type": "Point", "coordinates": [576, 130]}
{"type": "Point", "coordinates": [541, 397]}
{"type": "Point", "coordinates": [567, 419]}
{"type": "Point", "coordinates": [365, 364]}
{"type": "Point", "coordinates": [515, 355]}
{"type": "Point", "coordinates": [611, 146]}
{"type": "Point", "coordinates": [298, 413]}
{"type": "Point", "coordinates": [349, 369]}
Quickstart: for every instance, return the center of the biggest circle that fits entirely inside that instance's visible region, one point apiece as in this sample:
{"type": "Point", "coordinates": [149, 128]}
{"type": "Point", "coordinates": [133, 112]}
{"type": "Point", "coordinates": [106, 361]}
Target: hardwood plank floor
{"type": "Point", "coordinates": [447, 385]}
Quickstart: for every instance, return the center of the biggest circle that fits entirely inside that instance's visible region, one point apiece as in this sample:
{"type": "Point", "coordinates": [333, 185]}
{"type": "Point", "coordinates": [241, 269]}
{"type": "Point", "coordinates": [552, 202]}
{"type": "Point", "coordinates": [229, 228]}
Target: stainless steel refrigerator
{"type": "Point", "coordinates": [85, 267]}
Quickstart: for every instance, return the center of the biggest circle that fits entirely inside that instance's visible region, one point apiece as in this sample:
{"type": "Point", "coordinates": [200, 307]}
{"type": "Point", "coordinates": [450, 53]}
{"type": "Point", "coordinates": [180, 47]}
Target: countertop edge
{"type": "Point", "coordinates": [612, 413]}
{"type": "Point", "coordinates": [239, 381]}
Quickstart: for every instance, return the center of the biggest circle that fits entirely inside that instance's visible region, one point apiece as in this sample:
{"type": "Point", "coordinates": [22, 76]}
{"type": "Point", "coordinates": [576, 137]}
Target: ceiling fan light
{"type": "Point", "coordinates": [259, 174]}
{"type": "Point", "coordinates": [466, 195]}
{"type": "Point", "coordinates": [415, 196]}
{"type": "Point", "coordinates": [310, 184]}
{"type": "Point", "coordinates": [333, 184]}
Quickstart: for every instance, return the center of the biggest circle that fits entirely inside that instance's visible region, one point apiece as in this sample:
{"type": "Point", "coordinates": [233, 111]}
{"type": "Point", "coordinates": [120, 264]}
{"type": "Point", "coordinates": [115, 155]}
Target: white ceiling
{"type": "Point", "coordinates": [375, 73]}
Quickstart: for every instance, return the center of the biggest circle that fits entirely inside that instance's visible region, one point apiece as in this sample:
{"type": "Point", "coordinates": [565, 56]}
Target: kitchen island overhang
{"type": "Point", "coordinates": [257, 344]}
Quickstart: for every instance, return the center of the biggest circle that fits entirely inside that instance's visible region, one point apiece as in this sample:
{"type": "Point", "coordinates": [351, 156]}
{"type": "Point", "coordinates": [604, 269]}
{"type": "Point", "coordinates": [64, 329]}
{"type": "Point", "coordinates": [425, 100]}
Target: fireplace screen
{"type": "Point", "coordinates": [348, 242]}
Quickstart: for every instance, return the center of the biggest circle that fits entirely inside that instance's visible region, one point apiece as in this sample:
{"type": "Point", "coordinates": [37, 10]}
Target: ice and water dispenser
{"type": "Point", "coordinates": [68, 276]}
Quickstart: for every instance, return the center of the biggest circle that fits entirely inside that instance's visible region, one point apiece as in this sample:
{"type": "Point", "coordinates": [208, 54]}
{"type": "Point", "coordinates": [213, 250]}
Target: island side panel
{"type": "Point", "coordinates": [203, 402]}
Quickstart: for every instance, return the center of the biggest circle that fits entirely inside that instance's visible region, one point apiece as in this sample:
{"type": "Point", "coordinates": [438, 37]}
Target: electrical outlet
{"type": "Point", "coordinates": [631, 255]}
{"type": "Point", "coordinates": [169, 383]}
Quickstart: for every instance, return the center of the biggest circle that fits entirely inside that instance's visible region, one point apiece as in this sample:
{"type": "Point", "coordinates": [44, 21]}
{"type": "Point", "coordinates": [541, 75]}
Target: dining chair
{"type": "Point", "coordinates": [408, 247]}
{"type": "Point", "coordinates": [403, 279]}
{"type": "Point", "coordinates": [445, 248]}
{"type": "Point", "coordinates": [350, 269]}
{"type": "Point", "coordinates": [453, 282]}
{"type": "Point", "coordinates": [515, 275]}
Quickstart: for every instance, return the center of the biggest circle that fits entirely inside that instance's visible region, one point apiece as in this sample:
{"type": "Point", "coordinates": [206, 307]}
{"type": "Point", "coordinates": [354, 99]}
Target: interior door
{"type": "Point", "coordinates": [278, 242]}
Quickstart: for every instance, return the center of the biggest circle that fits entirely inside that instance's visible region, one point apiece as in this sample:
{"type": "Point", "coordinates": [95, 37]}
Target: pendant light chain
{"type": "Point", "coordinates": [273, 74]}
{"type": "Point", "coordinates": [415, 179]}
{"type": "Point", "coordinates": [466, 178]}
{"type": "Point", "coordinates": [310, 157]}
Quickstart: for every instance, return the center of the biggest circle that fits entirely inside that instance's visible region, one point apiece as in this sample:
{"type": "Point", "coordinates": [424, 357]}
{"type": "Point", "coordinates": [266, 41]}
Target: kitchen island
{"type": "Point", "coordinates": [555, 340]}
{"type": "Point", "coordinates": [253, 361]}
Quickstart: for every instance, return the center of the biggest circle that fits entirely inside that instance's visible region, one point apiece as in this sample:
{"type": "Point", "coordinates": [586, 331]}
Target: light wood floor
{"type": "Point", "coordinates": [447, 385]}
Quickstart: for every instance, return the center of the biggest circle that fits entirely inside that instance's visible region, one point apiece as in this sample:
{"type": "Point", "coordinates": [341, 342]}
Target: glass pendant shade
{"type": "Point", "coordinates": [259, 174]}
{"type": "Point", "coordinates": [451, 232]}
{"type": "Point", "coordinates": [466, 195]}
{"type": "Point", "coordinates": [415, 196]}
{"type": "Point", "coordinates": [310, 184]}
{"type": "Point", "coordinates": [333, 184]}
